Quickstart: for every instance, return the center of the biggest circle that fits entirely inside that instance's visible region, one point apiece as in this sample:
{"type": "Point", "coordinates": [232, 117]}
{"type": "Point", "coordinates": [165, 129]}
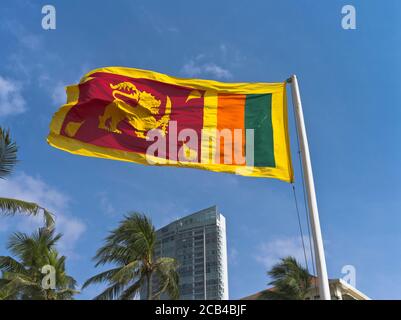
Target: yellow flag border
{"type": "Point", "coordinates": [283, 170]}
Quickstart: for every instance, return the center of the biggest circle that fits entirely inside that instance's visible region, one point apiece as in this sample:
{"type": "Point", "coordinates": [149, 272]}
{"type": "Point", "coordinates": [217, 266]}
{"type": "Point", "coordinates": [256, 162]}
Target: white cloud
{"type": "Point", "coordinates": [270, 253]}
{"type": "Point", "coordinates": [217, 71]}
{"type": "Point", "coordinates": [31, 41]}
{"type": "Point", "coordinates": [106, 205]}
{"type": "Point", "coordinates": [173, 29]}
{"type": "Point", "coordinates": [34, 189]}
{"type": "Point", "coordinates": [217, 63]}
{"type": "Point", "coordinates": [33, 64]}
{"type": "Point", "coordinates": [72, 229]}
{"type": "Point", "coordinates": [27, 39]}
{"type": "Point", "coordinates": [151, 19]}
{"type": "Point", "coordinates": [59, 95]}
{"type": "Point", "coordinates": [11, 99]}
{"type": "Point", "coordinates": [55, 87]}
{"type": "Point", "coordinates": [195, 69]}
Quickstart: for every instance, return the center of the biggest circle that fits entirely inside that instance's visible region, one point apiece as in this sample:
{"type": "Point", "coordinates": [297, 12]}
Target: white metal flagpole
{"type": "Point", "coordinates": [310, 191]}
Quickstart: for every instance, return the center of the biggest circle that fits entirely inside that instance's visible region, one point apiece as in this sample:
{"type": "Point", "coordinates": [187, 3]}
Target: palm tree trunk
{"type": "Point", "coordinates": [149, 285]}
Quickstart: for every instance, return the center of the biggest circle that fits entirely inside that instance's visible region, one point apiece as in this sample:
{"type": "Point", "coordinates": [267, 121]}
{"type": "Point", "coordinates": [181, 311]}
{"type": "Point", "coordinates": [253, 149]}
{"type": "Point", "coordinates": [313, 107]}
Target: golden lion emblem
{"type": "Point", "coordinates": [139, 108]}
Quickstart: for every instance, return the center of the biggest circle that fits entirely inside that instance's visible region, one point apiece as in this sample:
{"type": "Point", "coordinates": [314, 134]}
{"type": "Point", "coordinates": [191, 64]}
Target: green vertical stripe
{"type": "Point", "coordinates": [258, 116]}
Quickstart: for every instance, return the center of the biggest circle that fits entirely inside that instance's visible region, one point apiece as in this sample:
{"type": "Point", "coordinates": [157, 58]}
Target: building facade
{"type": "Point", "coordinates": [198, 242]}
{"type": "Point", "coordinates": [339, 290]}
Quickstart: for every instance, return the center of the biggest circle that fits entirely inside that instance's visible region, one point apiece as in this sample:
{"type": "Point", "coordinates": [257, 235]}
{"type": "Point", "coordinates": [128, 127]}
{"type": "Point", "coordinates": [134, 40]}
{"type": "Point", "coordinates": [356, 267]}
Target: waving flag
{"type": "Point", "coordinates": [154, 119]}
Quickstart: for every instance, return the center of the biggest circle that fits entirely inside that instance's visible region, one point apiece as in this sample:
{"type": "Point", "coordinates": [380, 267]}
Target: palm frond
{"type": "Point", "coordinates": [166, 270]}
{"type": "Point", "coordinates": [289, 280]}
{"type": "Point", "coordinates": [131, 247]}
{"type": "Point", "coordinates": [101, 277]}
{"type": "Point", "coordinates": [24, 277]}
{"type": "Point", "coordinates": [18, 280]}
{"type": "Point", "coordinates": [132, 290]}
{"type": "Point", "coordinates": [112, 253]}
{"type": "Point", "coordinates": [111, 293]}
{"type": "Point", "coordinates": [8, 153]}
{"type": "Point", "coordinates": [71, 282]}
{"type": "Point", "coordinates": [127, 272]}
{"type": "Point", "coordinates": [275, 295]}
{"type": "Point", "coordinates": [9, 206]}
{"type": "Point", "coordinates": [8, 264]}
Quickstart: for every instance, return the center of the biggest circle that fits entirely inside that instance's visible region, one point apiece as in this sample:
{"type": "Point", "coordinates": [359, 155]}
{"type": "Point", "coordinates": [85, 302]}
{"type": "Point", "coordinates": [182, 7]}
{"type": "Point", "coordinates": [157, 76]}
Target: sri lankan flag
{"type": "Point", "coordinates": [150, 118]}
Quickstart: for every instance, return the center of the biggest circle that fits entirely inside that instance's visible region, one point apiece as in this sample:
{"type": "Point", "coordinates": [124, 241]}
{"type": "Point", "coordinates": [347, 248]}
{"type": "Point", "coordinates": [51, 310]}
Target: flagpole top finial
{"type": "Point", "coordinates": [290, 79]}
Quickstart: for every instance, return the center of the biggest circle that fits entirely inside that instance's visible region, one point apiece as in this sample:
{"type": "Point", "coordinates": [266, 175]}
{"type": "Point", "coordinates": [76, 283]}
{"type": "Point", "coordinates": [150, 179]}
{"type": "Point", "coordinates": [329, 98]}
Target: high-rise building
{"type": "Point", "coordinates": [198, 243]}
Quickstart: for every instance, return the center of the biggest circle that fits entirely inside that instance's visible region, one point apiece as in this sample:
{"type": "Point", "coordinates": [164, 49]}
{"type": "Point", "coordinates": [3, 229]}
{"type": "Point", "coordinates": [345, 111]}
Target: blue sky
{"type": "Point", "coordinates": [349, 82]}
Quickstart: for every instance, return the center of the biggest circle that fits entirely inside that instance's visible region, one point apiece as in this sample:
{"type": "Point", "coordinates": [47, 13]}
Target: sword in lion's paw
{"type": "Point", "coordinates": [163, 122]}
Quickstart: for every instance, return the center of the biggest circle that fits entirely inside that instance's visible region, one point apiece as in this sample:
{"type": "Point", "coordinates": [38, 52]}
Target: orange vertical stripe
{"type": "Point", "coordinates": [230, 115]}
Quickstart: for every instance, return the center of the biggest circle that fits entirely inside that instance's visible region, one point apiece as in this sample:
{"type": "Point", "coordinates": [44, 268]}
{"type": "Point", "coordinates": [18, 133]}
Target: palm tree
{"type": "Point", "coordinates": [290, 281]}
{"type": "Point", "coordinates": [8, 206]}
{"type": "Point", "coordinates": [22, 277]}
{"type": "Point", "coordinates": [130, 247]}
